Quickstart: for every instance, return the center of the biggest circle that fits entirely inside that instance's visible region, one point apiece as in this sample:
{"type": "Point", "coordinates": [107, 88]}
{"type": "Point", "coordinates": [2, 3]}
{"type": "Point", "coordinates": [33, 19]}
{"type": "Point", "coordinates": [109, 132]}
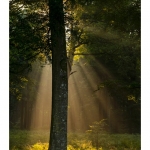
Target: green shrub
{"type": "Point", "coordinates": [39, 146]}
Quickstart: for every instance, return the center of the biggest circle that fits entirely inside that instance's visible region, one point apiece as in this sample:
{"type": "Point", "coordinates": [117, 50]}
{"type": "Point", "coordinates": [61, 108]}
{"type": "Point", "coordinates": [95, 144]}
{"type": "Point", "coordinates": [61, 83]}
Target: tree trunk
{"type": "Point", "coordinates": [22, 115]}
{"type": "Point", "coordinates": [58, 134]}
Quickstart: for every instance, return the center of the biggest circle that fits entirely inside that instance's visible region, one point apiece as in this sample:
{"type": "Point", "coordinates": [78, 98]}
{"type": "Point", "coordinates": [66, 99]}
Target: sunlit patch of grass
{"type": "Point", "coordinates": [104, 141]}
{"type": "Point", "coordinates": [124, 141]}
{"type": "Point", "coordinates": [38, 140]}
{"type": "Point", "coordinates": [82, 145]}
{"type": "Point", "coordinates": [23, 139]}
{"type": "Point", "coordinates": [38, 146]}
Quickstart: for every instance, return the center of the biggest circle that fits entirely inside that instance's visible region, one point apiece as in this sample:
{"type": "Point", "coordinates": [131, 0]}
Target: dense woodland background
{"type": "Point", "coordinates": [103, 46]}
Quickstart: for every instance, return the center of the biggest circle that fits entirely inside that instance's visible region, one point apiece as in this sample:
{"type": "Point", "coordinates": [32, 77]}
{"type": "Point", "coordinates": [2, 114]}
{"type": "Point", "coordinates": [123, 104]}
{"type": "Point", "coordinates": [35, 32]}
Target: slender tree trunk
{"type": "Point", "coordinates": [58, 134]}
{"type": "Point", "coordinates": [26, 115]}
{"type": "Point", "coordinates": [72, 47]}
{"type": "Point", "coordinates": [22, 114]}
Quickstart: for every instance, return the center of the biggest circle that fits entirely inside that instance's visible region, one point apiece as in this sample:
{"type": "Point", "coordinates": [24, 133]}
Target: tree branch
{"type": "Point", "coordinates": [89, 53]}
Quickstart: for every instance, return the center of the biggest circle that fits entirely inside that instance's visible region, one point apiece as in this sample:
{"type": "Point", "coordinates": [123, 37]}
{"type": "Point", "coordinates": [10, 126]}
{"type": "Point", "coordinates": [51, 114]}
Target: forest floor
{"type": "Point", "coordinates": [38, 140]}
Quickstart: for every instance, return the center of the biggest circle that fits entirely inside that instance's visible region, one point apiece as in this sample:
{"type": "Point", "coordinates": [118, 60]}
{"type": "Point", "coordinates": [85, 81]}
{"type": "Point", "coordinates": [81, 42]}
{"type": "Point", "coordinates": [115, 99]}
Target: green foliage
{"type": "Point", "coordinates": [112, 32]}
{"type": "Point", "coordinates": [28, 29]}
{"type": "Point", "coordinates": [23, 139]}
{"type": "Point", "coordinates": [39, 146]}
{"type": "Point", "coordinates": [104, 141]}
{"type": "Point", "coordinates": [36, 146]}
{"type": "Point", "coordinates": [98, 127]}
{"type": "Point", "coordinates": [122, 15]}
{"type": "Point", "coordinates": [38, 140]}
{"type": "Point", "coordinates": [109, 28]}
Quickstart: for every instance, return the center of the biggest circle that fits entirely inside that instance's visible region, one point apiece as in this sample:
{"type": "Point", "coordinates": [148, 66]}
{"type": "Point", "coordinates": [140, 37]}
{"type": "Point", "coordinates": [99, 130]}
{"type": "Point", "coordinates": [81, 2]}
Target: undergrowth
{"type": "Point", "coordinates": [38, 140]}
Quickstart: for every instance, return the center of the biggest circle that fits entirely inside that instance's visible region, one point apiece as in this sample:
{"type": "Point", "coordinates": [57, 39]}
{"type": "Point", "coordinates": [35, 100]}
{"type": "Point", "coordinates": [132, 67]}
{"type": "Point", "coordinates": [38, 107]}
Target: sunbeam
{"type": "Point", "coordinates": [41, 115]}
{"type": "Point", "coordinates": [86, 105]}
{"type": "Point", "coordinates": [87, 102]}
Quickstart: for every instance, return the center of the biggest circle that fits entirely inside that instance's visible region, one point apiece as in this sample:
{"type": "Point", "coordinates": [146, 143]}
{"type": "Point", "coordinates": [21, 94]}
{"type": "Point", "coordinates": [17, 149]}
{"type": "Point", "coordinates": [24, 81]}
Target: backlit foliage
{"type": "Point", "coordinates": [38, 140]}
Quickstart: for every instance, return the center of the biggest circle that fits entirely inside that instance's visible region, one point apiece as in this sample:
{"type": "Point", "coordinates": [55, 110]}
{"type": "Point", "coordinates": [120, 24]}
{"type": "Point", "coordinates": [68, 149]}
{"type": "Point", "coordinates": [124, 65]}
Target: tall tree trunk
{"type": "Point", "coordinates": [22, 114]}
{"type": "Point", "coordinates": [72, 47]}
{"type": "Point", "coordinates": [58, 134]}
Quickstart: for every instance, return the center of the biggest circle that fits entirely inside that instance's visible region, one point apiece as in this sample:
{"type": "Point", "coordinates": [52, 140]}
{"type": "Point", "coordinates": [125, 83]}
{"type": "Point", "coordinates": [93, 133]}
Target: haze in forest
{"type": "Point", "coordinates": [87, 102]}
{"type": "Point", "coordinates": [97, 44]}
{"type": "Point", "coordinates": [84, 99]}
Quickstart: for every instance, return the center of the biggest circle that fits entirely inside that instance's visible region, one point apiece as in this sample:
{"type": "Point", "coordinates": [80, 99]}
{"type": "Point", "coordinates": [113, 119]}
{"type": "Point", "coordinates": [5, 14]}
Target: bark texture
{"type": "Point", "coordinates": [58, 134]}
